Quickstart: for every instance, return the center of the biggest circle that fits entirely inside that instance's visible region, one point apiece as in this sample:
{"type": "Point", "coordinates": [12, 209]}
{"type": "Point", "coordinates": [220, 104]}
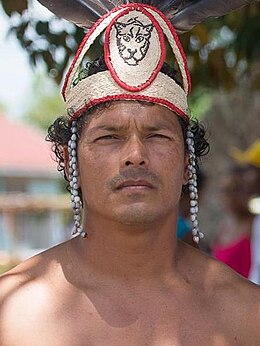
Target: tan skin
{"type": "Point", "coordinates": [130, 282]}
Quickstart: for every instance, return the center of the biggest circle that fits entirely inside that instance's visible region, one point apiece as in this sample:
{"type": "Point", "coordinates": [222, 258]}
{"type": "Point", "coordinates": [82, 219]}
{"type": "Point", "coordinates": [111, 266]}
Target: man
{"type": "Point", "coordinates": [233, 236]}
{"type": "Point", "coordinates": [127, 149]}
{"type": "Point", "coordinates": [250, 161]}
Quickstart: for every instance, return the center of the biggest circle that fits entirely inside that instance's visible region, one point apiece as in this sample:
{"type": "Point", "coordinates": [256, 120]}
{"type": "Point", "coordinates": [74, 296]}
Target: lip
{"type": "Point", "coordinates": [135, 184]}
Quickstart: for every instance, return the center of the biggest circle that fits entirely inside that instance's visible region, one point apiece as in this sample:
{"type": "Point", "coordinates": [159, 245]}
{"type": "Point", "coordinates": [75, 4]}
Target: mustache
{"type": "Point", "coordinates": [139, 173]}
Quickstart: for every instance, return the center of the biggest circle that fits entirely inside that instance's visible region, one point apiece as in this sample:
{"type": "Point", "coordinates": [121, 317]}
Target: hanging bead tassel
{"type": "Point", "coordinates": [194, 206]}
{"type": "Point", "coordinates": [76, 202]}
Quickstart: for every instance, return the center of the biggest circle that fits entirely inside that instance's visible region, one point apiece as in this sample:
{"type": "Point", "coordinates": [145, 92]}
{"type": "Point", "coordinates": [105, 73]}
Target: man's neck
{"type": "Point", "coordinates": [129, 251]}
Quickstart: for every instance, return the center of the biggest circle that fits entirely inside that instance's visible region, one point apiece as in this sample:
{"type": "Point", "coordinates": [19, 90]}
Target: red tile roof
{"type": "Point", "coordinates": [23, 148]}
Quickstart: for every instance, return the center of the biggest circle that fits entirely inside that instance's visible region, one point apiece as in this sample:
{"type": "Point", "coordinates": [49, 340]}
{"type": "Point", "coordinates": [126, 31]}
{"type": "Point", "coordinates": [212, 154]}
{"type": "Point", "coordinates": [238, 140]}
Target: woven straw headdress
{"type": "Point", "coordinates": [134, 49]}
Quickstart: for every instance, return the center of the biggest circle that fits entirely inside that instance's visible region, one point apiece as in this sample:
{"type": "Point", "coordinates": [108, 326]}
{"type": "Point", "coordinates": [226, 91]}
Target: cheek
{"type": "Point", "coordinates": [94, 170]}
{"type": "Point", "coordinates": [88, 168]}
{"type": "Point", "coordinates": [171, 165]}
{"type": "Point", "coordinates": [172, 156]}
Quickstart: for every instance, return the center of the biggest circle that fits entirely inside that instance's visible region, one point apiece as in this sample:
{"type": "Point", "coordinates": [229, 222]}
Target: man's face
{"type": "Point", "coordinates": [132, 163]}
{"type": "Point", "coordinates": [252, 180]}
{"type": "Point", "coordinates": [234, 194]}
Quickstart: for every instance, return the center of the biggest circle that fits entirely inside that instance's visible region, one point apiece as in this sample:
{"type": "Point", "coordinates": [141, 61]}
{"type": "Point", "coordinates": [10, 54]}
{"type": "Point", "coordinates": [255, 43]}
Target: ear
{"type": "Point", "coordinates": [186, 173]}
{"type": "Point", "coordinates": [66, 161]}
{"type": "Point", "coordinates": [149, 28]}
{"type": "Point", "coordinates": [119, 27]}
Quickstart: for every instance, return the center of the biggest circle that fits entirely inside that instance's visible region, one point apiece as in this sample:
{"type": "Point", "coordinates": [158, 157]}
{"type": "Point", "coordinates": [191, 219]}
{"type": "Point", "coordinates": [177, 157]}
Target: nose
{"type": "Point", "coordinates": [132, 51]}
{"type": "Point", "coordinates": [134, 154]}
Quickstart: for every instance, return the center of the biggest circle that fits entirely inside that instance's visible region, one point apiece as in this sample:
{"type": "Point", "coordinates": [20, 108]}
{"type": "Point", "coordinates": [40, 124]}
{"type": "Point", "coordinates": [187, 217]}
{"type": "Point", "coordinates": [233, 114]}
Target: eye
{"type": "Point", "coordinates": [126, 38]}
{"type": "Point", "coordinates": [107, 138]}
{"type": "Point", "coordinates": [139, 39]}
{"type": "Point", "coordinates": [157, 135]}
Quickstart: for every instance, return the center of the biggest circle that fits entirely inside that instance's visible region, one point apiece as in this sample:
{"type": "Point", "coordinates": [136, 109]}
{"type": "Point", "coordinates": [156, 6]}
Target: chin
{"type": "Point", "coordinates": [137, 215]}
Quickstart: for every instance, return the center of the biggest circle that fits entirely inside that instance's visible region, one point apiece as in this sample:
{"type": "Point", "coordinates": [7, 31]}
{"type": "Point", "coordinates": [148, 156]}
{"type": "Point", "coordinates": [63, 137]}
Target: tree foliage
{"type": "Point", "coordinates": [46, 103]}
{"type": "Point", "coordinates": [220, 51]}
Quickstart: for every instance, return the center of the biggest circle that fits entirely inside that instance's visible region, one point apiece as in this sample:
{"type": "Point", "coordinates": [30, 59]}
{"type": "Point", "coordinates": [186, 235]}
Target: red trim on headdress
{"type": "Point", "coordinates": [108, 62]}
{"type": "Point", "coordinates": [119, 97]}
{"type": "Point", "coordinates": [176, 38]}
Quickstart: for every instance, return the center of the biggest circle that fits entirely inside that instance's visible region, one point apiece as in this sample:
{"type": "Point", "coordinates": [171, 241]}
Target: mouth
{"type": "Point", "coordinates": [135, 185]}
{"type": "Point", "coordinates": [131, 56]}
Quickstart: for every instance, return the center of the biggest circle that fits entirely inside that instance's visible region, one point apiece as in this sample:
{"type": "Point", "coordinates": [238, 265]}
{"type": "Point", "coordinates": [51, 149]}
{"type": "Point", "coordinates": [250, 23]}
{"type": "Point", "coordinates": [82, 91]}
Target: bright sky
{"type": "Point", "coordinates": [15, 72]}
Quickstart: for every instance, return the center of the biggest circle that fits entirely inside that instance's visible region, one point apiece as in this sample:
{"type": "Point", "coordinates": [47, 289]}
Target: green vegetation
{"type": "Point", "coordinates": [220, 51]}
{"type": "Point", "coordinates": [5, 267]}
{"type": "Point", "coordinates": [46, 103]}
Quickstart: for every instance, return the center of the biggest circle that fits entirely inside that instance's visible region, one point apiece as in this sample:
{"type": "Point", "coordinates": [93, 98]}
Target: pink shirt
{"type": "Point", "coordinates": [237, 255]}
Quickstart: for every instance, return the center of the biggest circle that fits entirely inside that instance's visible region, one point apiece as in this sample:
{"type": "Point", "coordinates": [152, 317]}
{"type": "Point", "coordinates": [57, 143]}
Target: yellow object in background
{"type": "Point", "coordinates": [250, 156]}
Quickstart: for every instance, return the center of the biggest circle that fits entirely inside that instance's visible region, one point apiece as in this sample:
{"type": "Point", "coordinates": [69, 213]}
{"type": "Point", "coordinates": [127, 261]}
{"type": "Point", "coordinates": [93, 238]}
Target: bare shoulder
{"type": "Point", "coordinates": [234, 300]}
{"type": "Point", "coordinates": [26, 293]}
{"type": "Point", "coordinates": [240, 303]}
{"type": "Point", "coordinates": [217, 277]}
{"type": "Point", "coordinates": [31, 270]}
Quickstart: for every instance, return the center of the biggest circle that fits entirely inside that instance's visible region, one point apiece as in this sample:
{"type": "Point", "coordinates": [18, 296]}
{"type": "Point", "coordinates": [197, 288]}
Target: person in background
{"type": "Point", "coordinates": [250, 160]}
{"type": "Point", "coordinates": [232, 243]}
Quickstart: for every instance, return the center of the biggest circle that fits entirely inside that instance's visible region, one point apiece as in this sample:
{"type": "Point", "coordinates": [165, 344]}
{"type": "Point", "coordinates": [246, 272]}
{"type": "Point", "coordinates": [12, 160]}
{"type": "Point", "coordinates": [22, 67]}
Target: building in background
{"type": "Point", "coordinates": [33, 210]}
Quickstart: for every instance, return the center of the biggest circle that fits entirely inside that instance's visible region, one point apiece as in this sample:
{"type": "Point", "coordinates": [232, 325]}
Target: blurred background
{"type": "Point", "coordinates": [35, 50]}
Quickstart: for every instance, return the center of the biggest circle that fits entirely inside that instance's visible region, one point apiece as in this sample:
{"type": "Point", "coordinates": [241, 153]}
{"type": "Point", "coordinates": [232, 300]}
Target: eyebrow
{"type": "Point", "coordinates": [157, 127]}
{"type": "Point", "coordinates": [111, 128]}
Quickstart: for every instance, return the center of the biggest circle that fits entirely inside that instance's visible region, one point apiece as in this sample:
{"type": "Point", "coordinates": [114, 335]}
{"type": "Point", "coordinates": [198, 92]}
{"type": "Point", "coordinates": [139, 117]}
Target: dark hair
{"type": "Point", "coordinates": [59, 132]}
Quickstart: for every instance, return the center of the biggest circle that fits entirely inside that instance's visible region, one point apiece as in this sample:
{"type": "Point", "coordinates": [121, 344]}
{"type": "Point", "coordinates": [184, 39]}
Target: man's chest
{"type": "Point", "coordinates": [160, 326]}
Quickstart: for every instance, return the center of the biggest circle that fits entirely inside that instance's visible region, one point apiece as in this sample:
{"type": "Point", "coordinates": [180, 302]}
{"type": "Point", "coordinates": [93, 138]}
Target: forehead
{"type": "Point", "coordinates": [141, 114]}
